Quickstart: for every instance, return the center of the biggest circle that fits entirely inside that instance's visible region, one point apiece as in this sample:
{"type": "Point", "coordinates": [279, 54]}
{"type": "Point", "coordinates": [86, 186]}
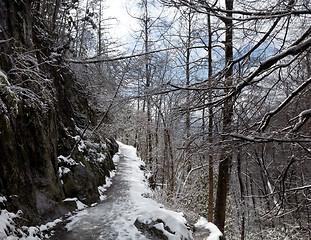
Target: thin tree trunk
{"type": "Point", "coordinates": [55, 14]}
{"type": "Point", "coordinates": [188, 44]}
{"type": "Point", "coordinates": [226, 158]}
{"type": "Point", "coordinates": [83, 31]}
{"type": "Point", "coordinates": [99, 50]}
{"type": "Point", "coordinates": [148, 84]}
{"type": "Point", "coordinates": [242, 193]}
{"type": "Point", "coordinates": [210, 127]}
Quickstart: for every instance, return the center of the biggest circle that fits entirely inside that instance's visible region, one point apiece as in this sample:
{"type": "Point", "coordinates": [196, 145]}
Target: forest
{"type": "Point", "coordinates": [215, 95]}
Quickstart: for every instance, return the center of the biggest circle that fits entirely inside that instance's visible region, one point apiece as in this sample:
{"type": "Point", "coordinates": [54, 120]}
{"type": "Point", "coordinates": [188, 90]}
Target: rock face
{"type": "Point", "coordinates": [42, 115]}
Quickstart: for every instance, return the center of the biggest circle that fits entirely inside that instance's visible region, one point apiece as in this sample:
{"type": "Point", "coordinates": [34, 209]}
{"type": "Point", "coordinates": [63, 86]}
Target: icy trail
{"type": "Point", "coordinates": [114, 217]}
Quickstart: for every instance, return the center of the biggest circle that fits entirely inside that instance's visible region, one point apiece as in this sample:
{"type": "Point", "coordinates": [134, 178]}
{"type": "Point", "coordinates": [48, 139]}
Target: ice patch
{"type": "Point", "coordinates": [148, 209]}
{"type": "Point", "coordinates": [115, 217]}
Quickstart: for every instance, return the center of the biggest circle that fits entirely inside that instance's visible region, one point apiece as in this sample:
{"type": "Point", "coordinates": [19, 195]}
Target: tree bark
{"type": "Point", "coordinates": [242, 193]}
{"type": "Point", "coordinates": [188, 44]}
{"type": "Point", "coordinates": [210, 126]}
{"type": "Point", "coordinates": [226, 158]}
{"type": "Point", "coordinates": [148, 83]}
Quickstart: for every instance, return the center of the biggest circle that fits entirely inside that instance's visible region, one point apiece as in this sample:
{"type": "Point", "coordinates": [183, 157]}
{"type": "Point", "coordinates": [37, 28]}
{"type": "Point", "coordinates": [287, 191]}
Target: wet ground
{"type": "Point", "coordinates": [111, 219]}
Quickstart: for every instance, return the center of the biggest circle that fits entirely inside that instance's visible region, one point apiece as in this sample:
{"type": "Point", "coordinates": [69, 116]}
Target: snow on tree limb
{"type": "Point", "coordinates": [266, 119]}
{"type": "Point", "coordinates": [220, 12]}
{"type": "Point", "coordinates": [260, 139]}
{"type": "Point", "coordinates": [99, 60]}
{"type": "Point", "coordinates": [6, 40]}
{"type": "Point", "coordinates": [303, 117]}
{"type": "Point", "coordinates": [293, 50]}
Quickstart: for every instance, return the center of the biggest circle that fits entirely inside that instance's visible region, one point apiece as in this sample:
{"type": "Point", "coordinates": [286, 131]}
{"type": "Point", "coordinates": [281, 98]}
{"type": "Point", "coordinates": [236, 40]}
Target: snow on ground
{"type": "Point", "coordinates": [103, 189]}
{"type": "Point", "coordinates": [9, 231]}
{"type": "Point", "coordinates": [79, 204]}
{"type": "Point", "coordinates": [114, 218]}
{"type": "Point", "coordinates": [126, 202]}
{"type": "Point", "coordinates": [215, 233]}
{"type": "Point", "coordinates": [148, 209]}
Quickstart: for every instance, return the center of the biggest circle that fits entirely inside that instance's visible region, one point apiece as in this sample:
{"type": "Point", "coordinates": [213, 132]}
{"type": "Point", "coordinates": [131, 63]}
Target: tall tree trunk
{"type": "Point", "coordinates": [210, 126]}
{"type": "Point", "coordinates": [99, 50]}
{"type": "Point", "coordinates": [226, 158]}
{"type": "Point", "coordinates": [55, 14]}
{"type": "Point", "coordinates": [21, 22]}
{"type": "Point", "coordinates": [242, 193]}
{"type": "Point", "coordinates": [188, 44]}
{"type": "Point", "coordinates": [148, 83]}
{"type": "Point", "coordinates": [83, 30]}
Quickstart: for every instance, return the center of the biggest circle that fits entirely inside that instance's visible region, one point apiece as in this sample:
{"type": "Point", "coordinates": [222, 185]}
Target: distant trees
{"type": "Point", "coordinates": [249, 89]}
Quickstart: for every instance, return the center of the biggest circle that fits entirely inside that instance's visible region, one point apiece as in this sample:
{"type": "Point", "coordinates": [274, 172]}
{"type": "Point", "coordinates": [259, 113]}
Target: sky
{"type": "Point", "coordinates": [119, 9]}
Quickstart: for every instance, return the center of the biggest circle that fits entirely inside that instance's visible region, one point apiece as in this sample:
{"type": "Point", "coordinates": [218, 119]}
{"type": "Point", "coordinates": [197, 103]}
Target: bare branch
{"type": "Point", "coordinates": [206, 8]}
{"type": "Point", "coordinates": [88, 61]}
{"type": "Point", "coordinates": [303, 117]}
{"type": "Point", "coordinates": [293, 50]}
{"type": "Point", "coordinates": [266, 119]}
{"type": "Point", "coordinates": [259, 139]}
{"type": "Point", "coordinates": [7, 40]}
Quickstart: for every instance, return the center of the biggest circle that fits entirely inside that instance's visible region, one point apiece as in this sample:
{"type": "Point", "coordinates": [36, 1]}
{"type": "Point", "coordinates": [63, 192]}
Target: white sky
{"type": "Point", "coordinates": [119, 9]}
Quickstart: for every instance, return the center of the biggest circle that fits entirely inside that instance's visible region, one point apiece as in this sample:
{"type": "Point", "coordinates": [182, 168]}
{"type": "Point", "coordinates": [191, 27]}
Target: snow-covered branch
{"type": "Point", "coordinates": [293, 50]}
{"type": "Point", "coordinates": [241, 15]}
{"type": "Point", "coordinates": [5, 41]}
{"type": "Point", "coordinates": [188, 175]}
{"type": "Point", "coordinates": [259, 139]}
{"type": "Point", "coordinates": [100, 60]}
{"type": "Point", "coordinates": [302, 118]}
{"type": "Point", "coordinates": [266, 119]}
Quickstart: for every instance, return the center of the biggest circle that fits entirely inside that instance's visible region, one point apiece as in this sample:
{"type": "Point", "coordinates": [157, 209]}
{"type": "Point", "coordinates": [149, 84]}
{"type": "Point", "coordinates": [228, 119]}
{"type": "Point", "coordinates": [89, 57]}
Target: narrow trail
{"type": "Point", "coordinates": [114, 217]}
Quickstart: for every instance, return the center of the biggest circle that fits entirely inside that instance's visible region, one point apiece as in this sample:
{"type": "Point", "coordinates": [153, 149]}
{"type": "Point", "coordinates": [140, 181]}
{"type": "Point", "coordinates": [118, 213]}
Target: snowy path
{"type": "Point", "coordinates": [114, 217]}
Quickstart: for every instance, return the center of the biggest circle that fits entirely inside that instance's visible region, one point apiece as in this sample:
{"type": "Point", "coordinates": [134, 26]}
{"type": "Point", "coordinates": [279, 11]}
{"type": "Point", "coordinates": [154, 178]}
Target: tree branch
{"type": "Point", "coordinates": [303, 117]}
{"type": "Point", "coordinates": [259, 139]}
{"type": "Point", "coordinates": [266, 119]}
{"type": "Point", "coordinates": [293, 50]}
{"type": "Point", "coordinates": [100, 60]}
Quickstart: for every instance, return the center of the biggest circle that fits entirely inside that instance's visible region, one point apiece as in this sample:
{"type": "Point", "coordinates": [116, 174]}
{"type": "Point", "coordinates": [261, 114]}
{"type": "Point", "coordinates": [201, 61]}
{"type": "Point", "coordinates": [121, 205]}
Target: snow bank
{"type": "Point", "coordinates": [171, 223]}
{"type": "Point", "coordinates": [215, 233]}
{"type": "Point", "coordinates": [102, 189]}
{"type": "Point", "coordinates": [6, 223]}
{"type": "Point", "coordinates": [9, 230]}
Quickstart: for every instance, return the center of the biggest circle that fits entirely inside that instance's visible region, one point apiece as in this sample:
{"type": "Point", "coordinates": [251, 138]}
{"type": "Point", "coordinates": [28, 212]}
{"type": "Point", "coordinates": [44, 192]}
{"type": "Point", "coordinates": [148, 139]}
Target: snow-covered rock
{"type": "Point", "coordinates": [206, 230]}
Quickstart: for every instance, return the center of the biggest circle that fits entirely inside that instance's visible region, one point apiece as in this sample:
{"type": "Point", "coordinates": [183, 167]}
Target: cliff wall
{"type": "Point", "coordinates": [43, 113]}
